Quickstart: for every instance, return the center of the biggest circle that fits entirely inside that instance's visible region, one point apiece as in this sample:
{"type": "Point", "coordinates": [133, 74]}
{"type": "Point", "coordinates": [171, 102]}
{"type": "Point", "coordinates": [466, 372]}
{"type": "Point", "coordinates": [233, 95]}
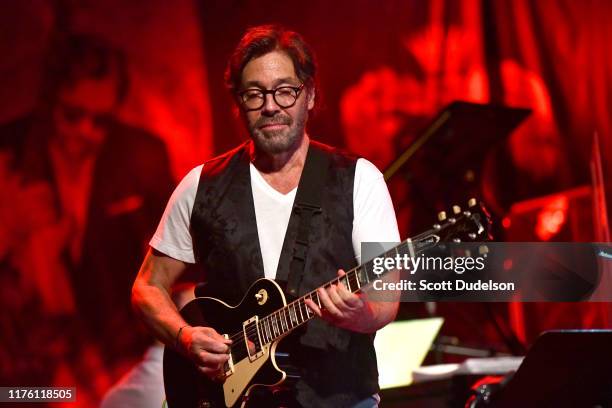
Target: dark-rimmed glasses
{"type": "Point", "coordinates": [76, 114]}
{"type": "Point", "coordinates": [284, 96]}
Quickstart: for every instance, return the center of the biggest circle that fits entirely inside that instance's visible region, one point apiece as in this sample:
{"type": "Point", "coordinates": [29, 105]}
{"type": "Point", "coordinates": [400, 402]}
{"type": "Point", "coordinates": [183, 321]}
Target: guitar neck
{"type": "Point", "coordinates": [296, 313]}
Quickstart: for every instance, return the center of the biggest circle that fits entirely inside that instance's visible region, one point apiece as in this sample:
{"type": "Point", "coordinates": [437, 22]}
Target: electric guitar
{"type": "Point", "coordinates": [263, 318]}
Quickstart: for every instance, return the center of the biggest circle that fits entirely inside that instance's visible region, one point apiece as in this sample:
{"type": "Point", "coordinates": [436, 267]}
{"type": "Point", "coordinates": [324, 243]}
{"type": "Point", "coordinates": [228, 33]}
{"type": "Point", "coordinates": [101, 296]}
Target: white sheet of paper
{"type": "Point", "coordinates": [401, 347]}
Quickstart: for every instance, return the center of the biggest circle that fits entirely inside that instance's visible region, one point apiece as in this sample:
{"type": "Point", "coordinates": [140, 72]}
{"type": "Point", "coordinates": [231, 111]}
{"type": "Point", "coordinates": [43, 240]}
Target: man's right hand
{"type": "Point", "coordinates": [151, 298]}
{"type": "Point", "coordinates": [206, 348]}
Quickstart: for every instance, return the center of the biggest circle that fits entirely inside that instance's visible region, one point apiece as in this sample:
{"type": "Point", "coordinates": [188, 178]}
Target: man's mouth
{"type": "Point", "coordinates": [272, 126]}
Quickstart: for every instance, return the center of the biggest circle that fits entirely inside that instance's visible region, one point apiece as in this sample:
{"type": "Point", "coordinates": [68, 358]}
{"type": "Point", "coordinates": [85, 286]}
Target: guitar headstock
{"type": "Point", "coordinates": [470, 225]}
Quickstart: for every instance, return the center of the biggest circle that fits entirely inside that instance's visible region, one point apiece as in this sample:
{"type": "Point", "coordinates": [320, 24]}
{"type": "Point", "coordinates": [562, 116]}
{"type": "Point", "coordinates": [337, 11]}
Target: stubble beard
{"type": "Point", "coordinates": [281, 140]}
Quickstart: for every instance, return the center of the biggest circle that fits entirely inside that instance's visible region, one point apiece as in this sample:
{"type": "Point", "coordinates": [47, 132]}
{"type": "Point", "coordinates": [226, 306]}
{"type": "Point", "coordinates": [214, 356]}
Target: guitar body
{"type": "Point", "coordinates": [186, 387]}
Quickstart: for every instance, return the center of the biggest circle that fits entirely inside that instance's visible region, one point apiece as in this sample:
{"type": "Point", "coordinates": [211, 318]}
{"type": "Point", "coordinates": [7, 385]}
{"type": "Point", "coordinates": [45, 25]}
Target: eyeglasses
{"type": "Point", "coordinates": [76, 114]}
{"type": "Point", "coordinates": [284, 96]}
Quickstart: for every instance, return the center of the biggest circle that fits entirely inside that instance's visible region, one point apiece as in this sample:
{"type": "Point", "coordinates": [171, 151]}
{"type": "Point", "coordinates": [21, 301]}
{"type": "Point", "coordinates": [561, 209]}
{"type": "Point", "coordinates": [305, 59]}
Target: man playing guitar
{"type": "Point", "coordinates": [234, 215]}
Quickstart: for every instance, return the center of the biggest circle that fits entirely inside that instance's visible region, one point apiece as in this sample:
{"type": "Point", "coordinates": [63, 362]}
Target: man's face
{"type": "Point", "coordinates": [81, 113]}
{"type": "Point", "coordinates": [275, 129]}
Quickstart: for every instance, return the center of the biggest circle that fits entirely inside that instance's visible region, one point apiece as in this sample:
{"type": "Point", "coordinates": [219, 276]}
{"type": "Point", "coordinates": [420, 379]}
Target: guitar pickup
{"type": "Point", "coordinates": [250, 331]}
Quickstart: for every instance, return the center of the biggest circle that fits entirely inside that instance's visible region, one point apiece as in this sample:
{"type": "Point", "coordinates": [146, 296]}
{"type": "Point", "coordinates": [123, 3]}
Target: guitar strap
{"type": "Point", "coordinates": [307, 204]}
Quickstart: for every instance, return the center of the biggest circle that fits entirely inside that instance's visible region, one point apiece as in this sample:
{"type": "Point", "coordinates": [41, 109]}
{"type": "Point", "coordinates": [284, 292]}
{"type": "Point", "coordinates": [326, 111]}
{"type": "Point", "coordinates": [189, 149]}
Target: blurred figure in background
{"type": "Point", "coordinates": [86, 192]}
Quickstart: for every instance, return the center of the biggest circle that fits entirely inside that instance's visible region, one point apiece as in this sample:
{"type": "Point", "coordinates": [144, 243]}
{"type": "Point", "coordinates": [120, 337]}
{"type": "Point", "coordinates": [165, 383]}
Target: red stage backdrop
{"type": "Point", "coordinates": [386, 68]}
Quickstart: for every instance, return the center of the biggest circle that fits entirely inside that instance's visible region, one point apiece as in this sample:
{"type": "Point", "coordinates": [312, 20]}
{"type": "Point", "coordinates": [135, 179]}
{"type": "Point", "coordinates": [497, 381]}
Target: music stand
{"type": "Point", "coordinates": [564, 368]}
{"type": "Point", "coordinates": [461, 133]}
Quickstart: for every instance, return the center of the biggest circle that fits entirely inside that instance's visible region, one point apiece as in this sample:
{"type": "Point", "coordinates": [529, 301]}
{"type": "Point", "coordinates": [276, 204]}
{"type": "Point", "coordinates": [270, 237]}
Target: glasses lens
{"type": "Point", "coordinates": [253, 99]}
{"type": "Point", "coordinates": [285, 96]}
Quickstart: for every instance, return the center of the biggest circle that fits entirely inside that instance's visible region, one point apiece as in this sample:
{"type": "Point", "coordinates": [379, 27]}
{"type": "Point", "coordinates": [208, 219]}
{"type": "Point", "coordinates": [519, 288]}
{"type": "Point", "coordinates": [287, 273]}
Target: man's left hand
{"type": "Point", "coordinates": [343, 308]}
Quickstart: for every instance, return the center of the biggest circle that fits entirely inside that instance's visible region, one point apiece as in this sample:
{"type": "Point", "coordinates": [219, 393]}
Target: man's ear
{"type": "Point", "coordinates": [311, 97]}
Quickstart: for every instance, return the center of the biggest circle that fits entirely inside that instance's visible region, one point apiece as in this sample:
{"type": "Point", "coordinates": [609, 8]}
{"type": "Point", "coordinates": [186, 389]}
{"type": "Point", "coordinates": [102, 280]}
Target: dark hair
{"type": "Point", "coordinates": [261, 40]}
{"type": "Point", "coordinates": [75, 57]}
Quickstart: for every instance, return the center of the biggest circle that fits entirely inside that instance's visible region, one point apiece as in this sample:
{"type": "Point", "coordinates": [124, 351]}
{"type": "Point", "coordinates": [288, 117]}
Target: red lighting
{"type": "Point", "coordinates": [551, 218]}
{"type": "Point", "coordinates": [506, 222]}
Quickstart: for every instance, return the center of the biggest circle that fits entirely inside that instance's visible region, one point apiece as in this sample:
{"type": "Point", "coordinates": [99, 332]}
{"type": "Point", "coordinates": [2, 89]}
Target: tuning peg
{"type": "Point", "coordinates": [456, 240]}
{"type": "Point", "coordinates": [483, 249]}
{"type": "Point", "coordinates": [442, 216]}
{"type": "Point", "coordinates": [456, 209]}
{"type": "Point", "coordinates": [472, 202]}
{"type": "Point", "coordinates": [472, 235]}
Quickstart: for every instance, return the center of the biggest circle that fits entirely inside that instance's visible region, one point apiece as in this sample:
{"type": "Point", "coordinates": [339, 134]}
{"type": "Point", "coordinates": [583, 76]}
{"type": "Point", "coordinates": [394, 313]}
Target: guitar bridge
{"type": "Point", "coordinates": [250, 331]}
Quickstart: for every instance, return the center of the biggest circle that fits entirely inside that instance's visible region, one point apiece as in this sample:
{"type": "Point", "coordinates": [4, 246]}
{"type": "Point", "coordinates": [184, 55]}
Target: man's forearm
{"type": "Point", "coordinates": [151, 296]}
{"type": "Point", "coordinates": [157, 311]}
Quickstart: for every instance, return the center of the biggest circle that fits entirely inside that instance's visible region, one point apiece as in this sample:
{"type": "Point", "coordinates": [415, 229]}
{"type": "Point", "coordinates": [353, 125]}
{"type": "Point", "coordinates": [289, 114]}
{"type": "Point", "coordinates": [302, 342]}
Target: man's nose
{"type": "Point", "coordinates": [269, 107]}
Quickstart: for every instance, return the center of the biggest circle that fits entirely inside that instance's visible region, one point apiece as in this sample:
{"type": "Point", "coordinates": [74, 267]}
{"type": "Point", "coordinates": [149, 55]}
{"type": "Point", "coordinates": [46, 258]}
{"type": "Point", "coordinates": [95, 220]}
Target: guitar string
{"type": "Point", "coordinates": [352, 273]}
{"type": "Point", "coordinates": [286, 309]}
{"type": "Point", "coordinates": [300, 303]}
{"type": "Point", "coordinates": [239, 337]}
{"type": "Point", "coordinates": [277, 315]}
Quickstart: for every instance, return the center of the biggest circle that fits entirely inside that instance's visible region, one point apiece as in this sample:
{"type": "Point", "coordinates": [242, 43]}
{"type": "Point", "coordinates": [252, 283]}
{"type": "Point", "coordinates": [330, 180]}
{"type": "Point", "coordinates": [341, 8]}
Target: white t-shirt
{"type": "Point", "coordinates": [374, 216]}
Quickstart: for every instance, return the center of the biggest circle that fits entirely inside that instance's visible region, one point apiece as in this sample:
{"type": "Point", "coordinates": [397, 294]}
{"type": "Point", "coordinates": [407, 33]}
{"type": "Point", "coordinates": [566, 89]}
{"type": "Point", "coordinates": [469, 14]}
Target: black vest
{"type": "Point", "coordinates": [338, 367]}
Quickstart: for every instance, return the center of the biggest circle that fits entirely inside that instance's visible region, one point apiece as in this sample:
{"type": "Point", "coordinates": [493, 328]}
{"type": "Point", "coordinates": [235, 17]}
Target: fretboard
{"type": "Point", "coordinates": [296, 313]}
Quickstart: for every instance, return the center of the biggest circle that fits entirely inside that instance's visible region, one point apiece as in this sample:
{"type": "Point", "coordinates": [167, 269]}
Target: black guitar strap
{"type": "Point", "coordinates": [307, 203]}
